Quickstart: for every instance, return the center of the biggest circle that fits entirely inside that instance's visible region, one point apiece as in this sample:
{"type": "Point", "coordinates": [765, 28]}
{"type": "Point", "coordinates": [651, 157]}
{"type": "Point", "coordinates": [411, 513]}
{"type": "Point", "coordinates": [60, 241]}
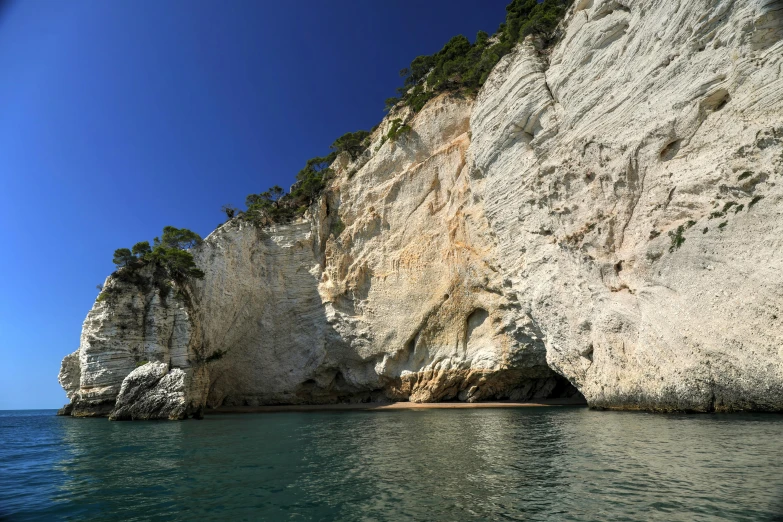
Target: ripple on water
{"type": "Point", "coordinates": [515, 464]}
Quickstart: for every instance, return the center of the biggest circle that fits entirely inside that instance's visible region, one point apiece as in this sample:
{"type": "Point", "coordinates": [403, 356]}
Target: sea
{"type": "Point", "coordinates": [544, 463]}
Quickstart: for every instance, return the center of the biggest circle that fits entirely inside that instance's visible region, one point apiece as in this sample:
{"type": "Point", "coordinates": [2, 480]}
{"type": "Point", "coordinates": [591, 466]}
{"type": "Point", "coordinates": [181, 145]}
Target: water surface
{"type": "Point", "coordinates": [556, 463]}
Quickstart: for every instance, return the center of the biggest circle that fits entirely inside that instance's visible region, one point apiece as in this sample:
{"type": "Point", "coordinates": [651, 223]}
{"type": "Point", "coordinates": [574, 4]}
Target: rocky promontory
{"type": "Point", "coordinates": [603, 218]}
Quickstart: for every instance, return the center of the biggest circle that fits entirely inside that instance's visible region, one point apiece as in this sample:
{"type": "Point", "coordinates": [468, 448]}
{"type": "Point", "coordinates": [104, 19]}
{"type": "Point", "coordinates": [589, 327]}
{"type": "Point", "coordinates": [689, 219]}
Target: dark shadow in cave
{"type": "Point", "coordinates": [565, 390]}
{"type": "Point", "coordinates": [553, 389]}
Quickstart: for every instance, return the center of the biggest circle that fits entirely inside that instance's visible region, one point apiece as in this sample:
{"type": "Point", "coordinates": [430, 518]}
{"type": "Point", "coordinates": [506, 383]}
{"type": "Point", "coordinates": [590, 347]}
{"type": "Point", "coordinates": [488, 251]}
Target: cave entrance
{"type": "Point", "coordinates": [551, 389]}
{"type": "Point", "coordinates": [565, 391]}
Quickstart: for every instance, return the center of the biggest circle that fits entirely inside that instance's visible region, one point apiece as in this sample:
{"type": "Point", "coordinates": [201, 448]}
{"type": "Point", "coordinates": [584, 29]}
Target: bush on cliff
{"type": "Point", "coordinates": [397, 129]}
{"type": "Point", "coordinates": [268, 205]}
{"type": "Point", "coordinates": [229, 210]}
{"type": "Point", "coordinates": [311, 180]}
{"type": "Point", "coordinates": [277, 206]}
{"type": "Point", "coordinates": [462, 66]}
{"type": "Point", "coordinates": [123, 257]}
{"type": "Point", "coordinates": [169, 252]}
{"type": "Point", "coordinates": [354, 143]}
{"type": "Point", "coordinates": [141, 249]}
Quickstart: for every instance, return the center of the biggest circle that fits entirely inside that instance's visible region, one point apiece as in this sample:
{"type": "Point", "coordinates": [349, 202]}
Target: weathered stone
{"type": "Point", "coordinates": [607, 213]}
{"type": "Point", "coordinates": [70, 374]}
{"type": "Point", "coordinates": [152, 391]}
{"type": "Point", "coordinates": [135, 319]}
{"type": "Point", "coordinates": [619, 180]}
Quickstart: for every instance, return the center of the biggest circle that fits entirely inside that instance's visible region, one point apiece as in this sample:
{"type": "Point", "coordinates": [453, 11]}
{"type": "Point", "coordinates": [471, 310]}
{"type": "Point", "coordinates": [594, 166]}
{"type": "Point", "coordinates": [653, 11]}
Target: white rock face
{"type": "Point", "coordinates": [259, 307]}
{"type": "Point", "coordinates": [634, 187]}
{"type": "Point", "coordinates": [152, 391]}
{"type": "Point", "coordinates": [609, 213]}
{"type": "Point", "coordinates": [132, 322]}
{"type": "Point", "coordinates": [386, 292]}
{"type": "Point", "coordinates": [70, 374]}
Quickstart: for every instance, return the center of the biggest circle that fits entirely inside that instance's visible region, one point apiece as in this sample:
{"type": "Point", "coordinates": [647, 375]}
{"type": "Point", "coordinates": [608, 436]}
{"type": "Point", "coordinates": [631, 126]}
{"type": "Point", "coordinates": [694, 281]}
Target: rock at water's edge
{"type": "Point", "coordinates": [152, 391]}
{"type": "Point", "coordinates": [606, 214]}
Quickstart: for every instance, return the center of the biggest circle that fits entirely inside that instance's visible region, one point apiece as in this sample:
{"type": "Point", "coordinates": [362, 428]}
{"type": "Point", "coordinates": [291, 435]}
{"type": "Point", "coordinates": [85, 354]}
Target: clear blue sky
{"type": "Point", "coordinates": [120, 117]}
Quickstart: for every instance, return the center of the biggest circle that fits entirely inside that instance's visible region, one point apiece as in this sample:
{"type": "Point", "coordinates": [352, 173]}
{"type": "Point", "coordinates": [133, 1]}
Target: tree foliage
{"type": "Point", "coordinates": [141, 249]}
{"type": "Point", "coordinates": [311, 180]}
{"type": "Point", "coordinates": [123, 257]}
{"type": "Point", "coordinates": [526, 17]}
{"type": "Point", "coordinates": [267, 206]}
{"type": "Point", "coordinates": [229, 210]}
{"type": "Point", "coordinates": [460, 65]}
{"type": "Point", "coordinates": [170, 251]}
{"type": "Point", "coordinates": [178, 238]}
{"type": "Point", "coordinates": [397, 129]}
{"type": "Point", "coordinates": [275, 205]}
{"type": "Point", "coordinates": [354, 143]}
{"type": "Point", "coordinates": [179, 263]}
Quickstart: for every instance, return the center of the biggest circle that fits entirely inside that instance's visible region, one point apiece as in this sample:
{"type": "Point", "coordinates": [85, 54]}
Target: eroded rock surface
{"type": "Point", "coordinates": [152, 391]}
{"type": "Point", "coordinates": [634, 185]}
{"type": "Point", "coordinates": [135, 320]}
{"type": "Point", "coordinates": [606, 215]}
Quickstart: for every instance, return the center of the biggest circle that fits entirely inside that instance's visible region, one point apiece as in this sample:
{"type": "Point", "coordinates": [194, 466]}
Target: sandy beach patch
{"type": "Point", "coordinates": [392, 406]}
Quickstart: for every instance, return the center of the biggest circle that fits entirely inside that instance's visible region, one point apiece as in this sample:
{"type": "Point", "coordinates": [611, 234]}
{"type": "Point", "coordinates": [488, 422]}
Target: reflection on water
{"type": "Point", "coordinates": [520, 464]}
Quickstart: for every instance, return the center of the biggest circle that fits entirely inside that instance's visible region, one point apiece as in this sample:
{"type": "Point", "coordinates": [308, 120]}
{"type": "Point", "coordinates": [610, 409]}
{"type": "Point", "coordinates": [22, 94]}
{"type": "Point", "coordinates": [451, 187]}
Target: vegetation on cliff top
{"type": "Point", "coordinates": [170, 252]}
{"type": "Point", "coordinates": [275, 205]}
{"type": "Point", "coordinates": [459, 67]}
{"type": "Point", "coordinates": [462, 66]}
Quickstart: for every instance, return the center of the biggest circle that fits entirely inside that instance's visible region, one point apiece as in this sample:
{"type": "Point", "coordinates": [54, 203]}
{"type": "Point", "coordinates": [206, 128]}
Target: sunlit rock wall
{"type": "Point", "coordinates": [633, 183]}
{"type": "Point", "coordinates": [605, 214]}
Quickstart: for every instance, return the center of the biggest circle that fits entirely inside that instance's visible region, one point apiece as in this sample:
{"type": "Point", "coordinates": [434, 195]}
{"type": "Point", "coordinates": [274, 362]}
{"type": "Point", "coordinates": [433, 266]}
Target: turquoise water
{"type": "Point", "coordinates": [563, 463]}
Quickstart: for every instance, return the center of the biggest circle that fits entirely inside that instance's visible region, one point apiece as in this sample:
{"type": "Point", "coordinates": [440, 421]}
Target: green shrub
{"type": "Point", "coordinates": [267, 205]}
{"type": "Point", "coordinates": [391, 103]}
{"type": "Point", "coordinates": [312, 179]}
{"type": "Point", "coordinates": [337, 227]}
{"type": "Point", "coordinates": [123, 257]}
{"type": "Point", "coordinates": [354, 143]}
{"type": "Point", "coordinates": [141, 249]}
{"type": "Point", "coordinates": [277, 206]}
{"type": "Point", "coordinates": [229, 210]}
{"type": "Point", "coordinates": [397, 129]}
{"type": "Point", "coordinates": [460, 65]}
{"type": "Point", "coordinates": [528, 17]}
{"type": "Point", "coordinates": [677, 237]}
{"type": "Point", "coordinates": [726, 207]}
{"type": "Point", "coordinates": [180, 263]}
{"type": "Point", "coordinates": [169, 253]}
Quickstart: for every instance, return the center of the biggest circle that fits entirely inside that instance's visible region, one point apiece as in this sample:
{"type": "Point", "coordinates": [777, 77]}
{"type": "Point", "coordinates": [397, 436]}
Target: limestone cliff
{"type": "Point", "coordinates": [604, 215]}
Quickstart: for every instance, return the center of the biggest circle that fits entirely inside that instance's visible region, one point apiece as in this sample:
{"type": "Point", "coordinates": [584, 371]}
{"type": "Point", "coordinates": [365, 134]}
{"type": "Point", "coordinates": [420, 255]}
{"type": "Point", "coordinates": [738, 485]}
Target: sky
{"type": "Point", "coordinates": [118, 118]}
